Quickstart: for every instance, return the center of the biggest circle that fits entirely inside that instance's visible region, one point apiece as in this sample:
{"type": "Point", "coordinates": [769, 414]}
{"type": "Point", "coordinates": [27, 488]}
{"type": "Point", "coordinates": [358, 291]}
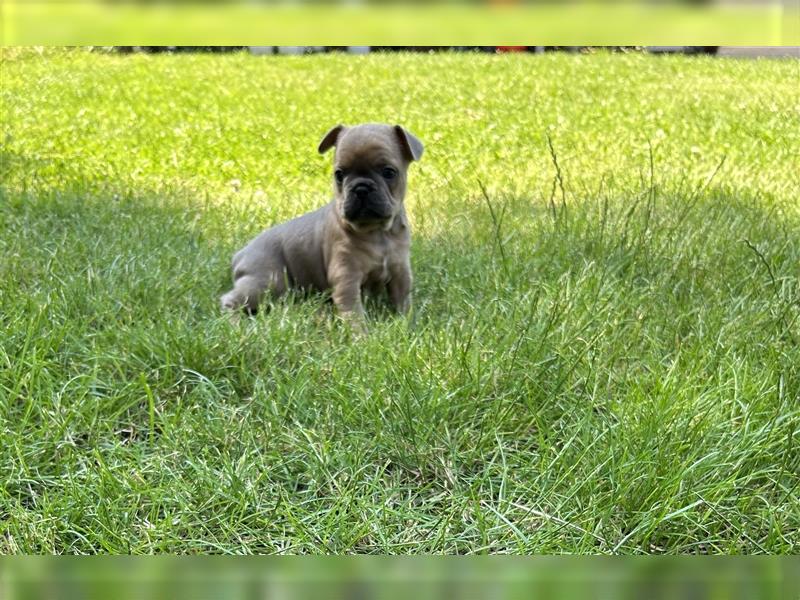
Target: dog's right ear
{"type": "Point", "coordinates": [330, 138]}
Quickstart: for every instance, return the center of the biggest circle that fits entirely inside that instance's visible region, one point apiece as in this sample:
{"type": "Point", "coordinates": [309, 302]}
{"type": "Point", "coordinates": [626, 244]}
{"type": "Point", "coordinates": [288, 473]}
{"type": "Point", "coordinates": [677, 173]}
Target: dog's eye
{"type": "Point", "coordinates": [389, 173]}
{"type": "Point", "coordinates": [339, 175]}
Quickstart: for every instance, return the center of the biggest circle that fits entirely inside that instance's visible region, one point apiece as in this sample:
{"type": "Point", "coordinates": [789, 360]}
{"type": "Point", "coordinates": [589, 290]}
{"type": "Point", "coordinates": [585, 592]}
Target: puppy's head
{"type": "Point", "coordinates": [369, 171]}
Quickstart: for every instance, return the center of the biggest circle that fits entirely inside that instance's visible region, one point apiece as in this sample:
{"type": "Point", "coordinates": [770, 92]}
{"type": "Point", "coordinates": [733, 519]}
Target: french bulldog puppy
{"type": "Point", "coordinates": [358, 242]}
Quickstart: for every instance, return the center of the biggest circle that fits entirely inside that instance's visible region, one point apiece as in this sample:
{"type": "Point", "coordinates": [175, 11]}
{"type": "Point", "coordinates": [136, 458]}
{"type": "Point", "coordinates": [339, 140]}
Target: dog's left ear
{"type": "Point", "coordinates": [329, 141]}
{"type": "Point", "coordinates": [412, 147]}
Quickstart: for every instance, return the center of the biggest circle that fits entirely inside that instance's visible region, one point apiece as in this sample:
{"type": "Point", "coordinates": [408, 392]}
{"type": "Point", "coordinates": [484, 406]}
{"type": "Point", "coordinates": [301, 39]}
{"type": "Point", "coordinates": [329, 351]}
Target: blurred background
{"type": "Point", "coordinates": [421, 24]}
{"type": "Point", "coordinates": [744, 51]}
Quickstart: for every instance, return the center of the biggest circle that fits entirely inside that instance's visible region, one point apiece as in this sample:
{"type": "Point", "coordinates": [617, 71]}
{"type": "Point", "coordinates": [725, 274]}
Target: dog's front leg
{"type": "Point", "coordinates": [347, 298]}
{"type": "Point", "coordinates": [399, 287]}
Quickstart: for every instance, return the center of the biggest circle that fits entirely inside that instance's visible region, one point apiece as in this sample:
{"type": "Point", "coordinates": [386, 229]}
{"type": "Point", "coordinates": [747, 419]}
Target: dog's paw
{"type": "Point", "coordinates": [230, 301]}
{"type": "Point", "coordinates": [356, 323]}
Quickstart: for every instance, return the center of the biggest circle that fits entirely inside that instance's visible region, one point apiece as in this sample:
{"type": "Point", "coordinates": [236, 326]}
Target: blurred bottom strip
{"type": "Point", "coordinates": [419, 578]}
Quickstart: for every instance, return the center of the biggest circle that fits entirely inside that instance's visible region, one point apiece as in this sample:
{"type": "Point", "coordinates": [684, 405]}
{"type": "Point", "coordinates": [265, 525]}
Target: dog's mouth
{"type": "Point", "coordinates": [366, 210]}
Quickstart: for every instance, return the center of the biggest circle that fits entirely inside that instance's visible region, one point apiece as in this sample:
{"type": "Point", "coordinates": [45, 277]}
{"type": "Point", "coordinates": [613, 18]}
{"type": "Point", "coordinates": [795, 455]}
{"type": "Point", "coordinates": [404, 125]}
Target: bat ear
{"type": "Point", "coordinates": [329, 141]}
{"type": "Point", "coordinates": [412, 147]}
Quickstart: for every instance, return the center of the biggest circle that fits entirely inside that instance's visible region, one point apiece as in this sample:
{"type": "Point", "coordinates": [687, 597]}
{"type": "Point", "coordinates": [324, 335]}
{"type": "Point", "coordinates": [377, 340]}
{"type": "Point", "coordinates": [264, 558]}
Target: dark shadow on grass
{"type": "Point", "coordinates": [152, 257]}
{"type": "Point", "coordinates": [495, 248]}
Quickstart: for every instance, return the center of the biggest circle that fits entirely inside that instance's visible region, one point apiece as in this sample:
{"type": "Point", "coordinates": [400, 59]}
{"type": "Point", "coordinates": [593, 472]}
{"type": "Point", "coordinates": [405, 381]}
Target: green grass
{"type": "Point", "coordinates": [605, 361]}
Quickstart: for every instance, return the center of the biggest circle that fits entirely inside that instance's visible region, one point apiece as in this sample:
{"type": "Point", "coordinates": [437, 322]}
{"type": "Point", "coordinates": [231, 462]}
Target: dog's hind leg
{"type": "Point", "coordinates": [248, 292]}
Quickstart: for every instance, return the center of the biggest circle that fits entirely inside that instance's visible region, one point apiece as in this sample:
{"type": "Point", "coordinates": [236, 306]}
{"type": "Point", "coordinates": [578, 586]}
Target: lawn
{"type": "Point", "coordinates": [602, 357]}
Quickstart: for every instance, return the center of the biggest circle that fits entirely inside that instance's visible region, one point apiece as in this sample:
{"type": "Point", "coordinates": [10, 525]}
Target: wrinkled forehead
{"type": "Point", "coordinates": [367, 146]}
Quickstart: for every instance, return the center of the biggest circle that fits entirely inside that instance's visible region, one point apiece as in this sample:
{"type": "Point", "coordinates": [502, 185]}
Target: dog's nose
{"type": "Point", "coordinates": [361, 191]}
